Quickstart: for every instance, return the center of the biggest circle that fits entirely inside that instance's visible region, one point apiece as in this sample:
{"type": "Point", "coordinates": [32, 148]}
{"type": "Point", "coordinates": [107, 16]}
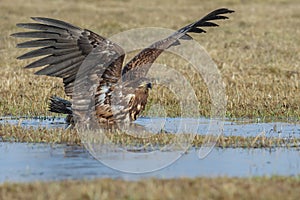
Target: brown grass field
{"type": "Point", "coordinates": [257, 52]}
{"type": "Point", "coordinates": [199, 188]}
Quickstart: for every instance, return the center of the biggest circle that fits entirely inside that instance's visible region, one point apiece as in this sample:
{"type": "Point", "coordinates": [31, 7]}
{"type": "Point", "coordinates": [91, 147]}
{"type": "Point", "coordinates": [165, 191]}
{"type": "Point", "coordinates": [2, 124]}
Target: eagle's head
{"type": "Point", "coordinates": [145, 85]}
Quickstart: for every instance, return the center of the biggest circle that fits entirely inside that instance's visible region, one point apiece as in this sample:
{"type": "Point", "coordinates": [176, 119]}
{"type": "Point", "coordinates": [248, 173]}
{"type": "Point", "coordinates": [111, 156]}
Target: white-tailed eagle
{"type": "Point", "coordinates": [65, 47]}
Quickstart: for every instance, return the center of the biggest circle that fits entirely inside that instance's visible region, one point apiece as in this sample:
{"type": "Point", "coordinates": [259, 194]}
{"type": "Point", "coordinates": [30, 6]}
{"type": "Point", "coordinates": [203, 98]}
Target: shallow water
{"type": "Point", "coordinates": [174, 125]}
{"type": "Point", "coordinates": [22, 162]}
{"type": "Point", "coordinates": [47, 122]}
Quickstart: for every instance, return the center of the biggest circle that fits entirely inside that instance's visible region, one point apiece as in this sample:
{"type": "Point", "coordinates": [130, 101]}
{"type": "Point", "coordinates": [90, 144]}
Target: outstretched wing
{"type": "Point", "coordinates": [143, 61]}
{"type": "Point", "coordinates": [65, 47]}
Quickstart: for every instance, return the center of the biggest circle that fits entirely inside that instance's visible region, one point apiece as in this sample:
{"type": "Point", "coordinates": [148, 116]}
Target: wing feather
{"type": "Point", "coordinates": [147, 56]}
{"type": "Point", "coordinates": [47, 51]}
{"type": "Point", "coordinates": [64, 47]}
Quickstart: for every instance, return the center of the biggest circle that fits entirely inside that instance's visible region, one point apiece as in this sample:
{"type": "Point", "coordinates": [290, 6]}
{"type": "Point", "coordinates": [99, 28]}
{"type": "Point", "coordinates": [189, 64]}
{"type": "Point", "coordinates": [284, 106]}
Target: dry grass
{"type": "Point", "coordinates": [199, 188]}
{"type": "Point", "coordinates": [11, 133]}
{"type": "Point", "coordinates": [257, 51]}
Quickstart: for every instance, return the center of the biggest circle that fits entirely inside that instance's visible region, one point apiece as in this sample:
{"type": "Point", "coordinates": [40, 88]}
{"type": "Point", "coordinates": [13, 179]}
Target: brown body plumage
{"type": "Point", "coordinates": [66, 49]}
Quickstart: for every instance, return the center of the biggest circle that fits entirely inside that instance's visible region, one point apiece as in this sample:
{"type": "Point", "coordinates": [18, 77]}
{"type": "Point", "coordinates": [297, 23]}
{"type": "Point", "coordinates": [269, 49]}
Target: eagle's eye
{"type": "Point", "coordinates": [149, 85]}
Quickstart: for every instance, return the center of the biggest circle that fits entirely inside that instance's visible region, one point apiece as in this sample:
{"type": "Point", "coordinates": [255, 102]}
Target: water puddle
{"type": "Point", "coordinates": [22, 162]}
{"type": "Point", "coordinates": [46, 122]}
{"type": "Point", "coordinates": [173, 125]}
